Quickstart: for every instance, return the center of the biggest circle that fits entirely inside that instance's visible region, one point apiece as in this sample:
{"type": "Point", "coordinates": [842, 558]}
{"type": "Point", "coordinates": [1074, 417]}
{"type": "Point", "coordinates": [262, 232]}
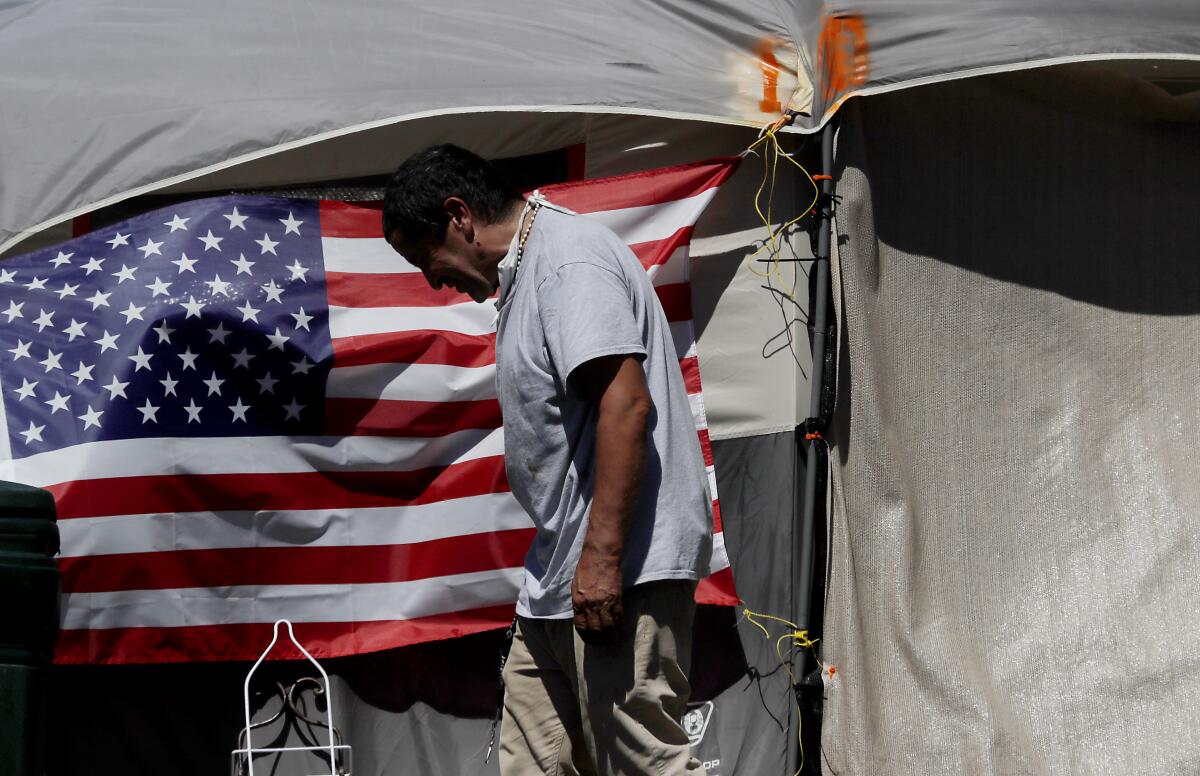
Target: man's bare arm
{"type": "Point", "coordinates": [618, 386]}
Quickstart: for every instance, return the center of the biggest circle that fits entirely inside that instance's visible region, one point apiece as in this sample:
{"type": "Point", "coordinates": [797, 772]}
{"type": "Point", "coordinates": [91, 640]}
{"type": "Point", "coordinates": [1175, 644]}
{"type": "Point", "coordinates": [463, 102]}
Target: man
{"type": "Point", "coordinates": [601, 451]}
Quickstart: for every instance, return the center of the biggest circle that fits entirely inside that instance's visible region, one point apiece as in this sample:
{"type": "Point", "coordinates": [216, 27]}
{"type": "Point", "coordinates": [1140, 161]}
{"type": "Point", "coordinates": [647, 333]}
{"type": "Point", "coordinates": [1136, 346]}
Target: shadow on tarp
{"type": "Point", "coordinates": [1069, 217]}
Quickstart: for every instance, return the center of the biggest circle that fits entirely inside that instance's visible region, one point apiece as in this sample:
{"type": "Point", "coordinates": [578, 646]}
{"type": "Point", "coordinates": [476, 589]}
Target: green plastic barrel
{"type": "Point", "coordinates": [29, 587]}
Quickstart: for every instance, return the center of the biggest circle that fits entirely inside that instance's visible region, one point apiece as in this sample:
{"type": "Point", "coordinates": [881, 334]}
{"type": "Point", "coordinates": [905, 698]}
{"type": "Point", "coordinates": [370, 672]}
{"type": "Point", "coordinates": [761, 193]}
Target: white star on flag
{"type": "Point", "coordinates": [61, 259]}
{"type": "Point", "coordinates": [149, 411]}
{"type": "Point", "coordinates": [26, 389]}
{"type": "Point", "coordinates": [107, 341]}
{"type": "Point", "coordinates": [236, 220]}
{"type": "Point", "coordinates": [52, 360]}
{"type": "Point", "coordinates": [214, 384]}
{"type": "Point", "coordinates": [302, 366]}
{"type": "Point", "coordinates": [248, 313]}
{"type": "Point", "coordinates": [99, 300]}
{"type": "Point", "coordinates": [37, 284]}
{"type": "Point", "coordinates": [164, 332]}
{"type": "Point", "coordinates": [123, 274]}
{"type": "Point", "coordinates": [193, 411]}
{"type": "Point", "coordinates": [21, 350]}
{"type": "Point", "coordinates": [7, 275]}
{"type": "Point", "coordinates": [120, 239]}
{"type": "Point", "coordinates": [218, 286]}
{"type": "Point", "coordinates": [84, 372]}
{"type": "Point", "coordinates": [185, 264]}
{"type": "Point", "coordinates": [151, 248]}
{"type": "Point", "coordinates": [116, 388]}
{"type": "Point", "coordinates": [43, 320]}
{"type": "Point", "coordinates": [242, 265]}
{"type": "Point", "coordinates": [242, 360]}
{"type": "Point", "coordinates": [158, 287]}
{"type": "Point", "coordinates": [218, 333]}
{"type": "Point", "coordinates": [239, 410]}
{"type": "Point", "coordinates": [58, 402]}
{"type": "Point", "coordinates": [176, 223]}
{"type": "Point", "coordinates": [302, 319]}
{"type": "Point", "coordinates": [67, 290]}
{"type": "Point", "coordinates": [277, 340]}
{"type": "Point", "coordinates": [266, 383]}
{"type": "Point", "coordinates": [211, 242]}
{"type": "Point", "coordinates": [273, 292]}
{"type": "Point", "coordinates": [132, 313]}
{"type": "Point", "coordinates": [298, 270]}
{"type": "Point", "coordinates": [267, 244]}
{"type": "Point", "coordinates": [193, 307]}
{"type": "Point", "coordinates": [33, 433]}
{"type": "Point", "coordinates": [91, 418]}
{"type": "Point", "coordinates": [290, 224]}
{"type": "Point", "coordinates": [188, 358]}
{"type": "Point", "coordinates": [14, 310]}
{"type": "Point", "coordinates": [293, 410]}
{"type": "Point", "coordinates": [141, 360]}
{"type": "Point", "coordinates": [169, 385]}
{"type": "Point", "coordinates": [92, 265]}
{"type": "Point", "coordinates": [75, 329]}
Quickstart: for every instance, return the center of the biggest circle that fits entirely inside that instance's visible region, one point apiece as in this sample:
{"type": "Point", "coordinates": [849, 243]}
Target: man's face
{"type": "Point", "coordinates": [452, 263]}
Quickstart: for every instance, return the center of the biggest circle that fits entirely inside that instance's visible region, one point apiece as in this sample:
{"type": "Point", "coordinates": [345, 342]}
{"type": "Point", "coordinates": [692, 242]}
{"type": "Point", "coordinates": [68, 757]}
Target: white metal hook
{"type": "Point", "coordinates": [250, 750]}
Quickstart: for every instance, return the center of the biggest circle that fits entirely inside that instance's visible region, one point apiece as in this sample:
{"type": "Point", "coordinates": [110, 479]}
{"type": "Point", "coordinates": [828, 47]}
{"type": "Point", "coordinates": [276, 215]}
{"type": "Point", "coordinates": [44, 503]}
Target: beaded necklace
{"type": "Point", "coordinates": [533, 211]}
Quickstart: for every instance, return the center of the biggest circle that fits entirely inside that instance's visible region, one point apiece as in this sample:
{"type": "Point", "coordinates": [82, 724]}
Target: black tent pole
{"type": "Point", "coordinates": [814, 426]}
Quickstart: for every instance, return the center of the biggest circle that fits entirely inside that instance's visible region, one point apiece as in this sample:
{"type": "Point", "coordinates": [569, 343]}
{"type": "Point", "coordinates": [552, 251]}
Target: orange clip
{"type": "Point", "coordinates": [812, 435]}
{"type": "Point", "coordinates": [822, 177]}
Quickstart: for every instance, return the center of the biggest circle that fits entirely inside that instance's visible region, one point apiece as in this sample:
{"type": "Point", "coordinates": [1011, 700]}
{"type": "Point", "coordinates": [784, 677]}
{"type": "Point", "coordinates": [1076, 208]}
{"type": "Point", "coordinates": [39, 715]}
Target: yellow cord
{"type": "Point", "coordinates": [768, 144]}
{"type": "Point", "coordinates": [799, 639]}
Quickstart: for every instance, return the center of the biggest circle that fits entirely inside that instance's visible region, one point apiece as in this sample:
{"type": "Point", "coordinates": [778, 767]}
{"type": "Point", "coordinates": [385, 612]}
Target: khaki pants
{"type": "Point", "coordinates": [612, 710]}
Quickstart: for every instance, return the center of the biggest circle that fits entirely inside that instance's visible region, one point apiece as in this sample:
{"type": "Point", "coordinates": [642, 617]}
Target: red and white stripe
{"type": "Point", "coordinates": [394, 527]}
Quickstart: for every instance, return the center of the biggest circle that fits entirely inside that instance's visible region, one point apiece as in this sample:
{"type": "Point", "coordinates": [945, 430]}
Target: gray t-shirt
{"type": "Point", "coordinates": [580, 293]}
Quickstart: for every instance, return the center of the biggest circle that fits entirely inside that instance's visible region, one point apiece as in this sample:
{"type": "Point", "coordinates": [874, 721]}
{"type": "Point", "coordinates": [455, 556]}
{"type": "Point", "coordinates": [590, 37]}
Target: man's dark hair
{"type": "Point", "coordinates": [414, 197]}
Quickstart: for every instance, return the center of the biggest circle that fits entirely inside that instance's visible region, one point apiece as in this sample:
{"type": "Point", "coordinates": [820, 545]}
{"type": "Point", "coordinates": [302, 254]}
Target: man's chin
{"type": "Point", "coordinates": [483, 296]}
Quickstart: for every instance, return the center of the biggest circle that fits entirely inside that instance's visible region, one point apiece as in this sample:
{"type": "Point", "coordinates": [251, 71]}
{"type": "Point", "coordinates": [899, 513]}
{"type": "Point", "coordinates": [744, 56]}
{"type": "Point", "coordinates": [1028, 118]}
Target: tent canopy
{"type": "Point", "coordinates": [107, 99]}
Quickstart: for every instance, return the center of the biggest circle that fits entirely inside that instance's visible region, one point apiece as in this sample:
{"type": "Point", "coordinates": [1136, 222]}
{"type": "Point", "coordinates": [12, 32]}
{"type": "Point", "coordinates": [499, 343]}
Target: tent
{"type": "Point", "coordinates": [1010, 474]}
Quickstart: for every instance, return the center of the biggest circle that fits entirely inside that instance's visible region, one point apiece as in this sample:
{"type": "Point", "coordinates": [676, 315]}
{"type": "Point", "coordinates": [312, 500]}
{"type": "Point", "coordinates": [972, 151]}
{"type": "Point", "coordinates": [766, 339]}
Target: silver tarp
{"type": "Point", "coordinates": [104, 99]}
{"type": "Point", "coordinates": [1015, 479]}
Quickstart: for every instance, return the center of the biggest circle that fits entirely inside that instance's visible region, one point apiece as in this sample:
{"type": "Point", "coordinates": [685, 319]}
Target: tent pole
{"type": "Point", "coordinates": [814, 425]}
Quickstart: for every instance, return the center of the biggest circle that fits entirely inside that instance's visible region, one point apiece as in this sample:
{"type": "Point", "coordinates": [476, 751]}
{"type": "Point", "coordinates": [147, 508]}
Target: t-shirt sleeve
{"type": "Point", "coordinates": [587, 312]}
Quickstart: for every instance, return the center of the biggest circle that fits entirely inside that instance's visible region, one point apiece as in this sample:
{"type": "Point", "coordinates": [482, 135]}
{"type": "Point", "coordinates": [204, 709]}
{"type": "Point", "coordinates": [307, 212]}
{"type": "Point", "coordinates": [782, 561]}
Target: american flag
{"type": "Point", "coordinates": [250, 408]}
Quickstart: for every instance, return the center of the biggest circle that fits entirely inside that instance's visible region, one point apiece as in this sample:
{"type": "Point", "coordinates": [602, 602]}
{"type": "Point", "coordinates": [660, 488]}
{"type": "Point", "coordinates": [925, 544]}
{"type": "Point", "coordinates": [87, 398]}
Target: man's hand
{"type": "Point", "coordinates": [618, 387]}
{"type": "Point", "coordinates": [596, 596]}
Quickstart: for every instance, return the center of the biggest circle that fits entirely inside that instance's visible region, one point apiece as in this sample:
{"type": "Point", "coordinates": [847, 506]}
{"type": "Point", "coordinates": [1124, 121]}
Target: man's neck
{"type": "Point", "coordinates": [498, 238]}
{"type": "Point", "coordinates": [513, 222]}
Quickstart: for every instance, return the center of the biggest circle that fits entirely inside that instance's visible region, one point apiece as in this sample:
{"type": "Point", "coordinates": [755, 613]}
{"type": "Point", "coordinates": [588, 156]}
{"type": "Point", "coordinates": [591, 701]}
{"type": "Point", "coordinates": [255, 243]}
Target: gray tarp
{"type": "Point", "coordinates": [102, 97]}
{"type": "Point", "coordinates": [1015, 476]}
{"type": "Point", "coordinates": [107, 98]}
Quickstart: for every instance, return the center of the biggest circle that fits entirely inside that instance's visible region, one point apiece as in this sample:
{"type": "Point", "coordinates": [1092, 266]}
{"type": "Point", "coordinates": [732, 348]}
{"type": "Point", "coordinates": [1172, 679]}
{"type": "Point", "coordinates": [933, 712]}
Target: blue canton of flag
{"type": "Point", "coordinates": [212, 322]}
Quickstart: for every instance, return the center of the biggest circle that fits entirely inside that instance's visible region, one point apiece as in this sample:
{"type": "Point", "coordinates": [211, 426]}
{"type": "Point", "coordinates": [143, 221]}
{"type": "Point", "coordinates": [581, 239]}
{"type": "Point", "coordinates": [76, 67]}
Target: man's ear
{"type": "Point", "coordinates": [459, 213]}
